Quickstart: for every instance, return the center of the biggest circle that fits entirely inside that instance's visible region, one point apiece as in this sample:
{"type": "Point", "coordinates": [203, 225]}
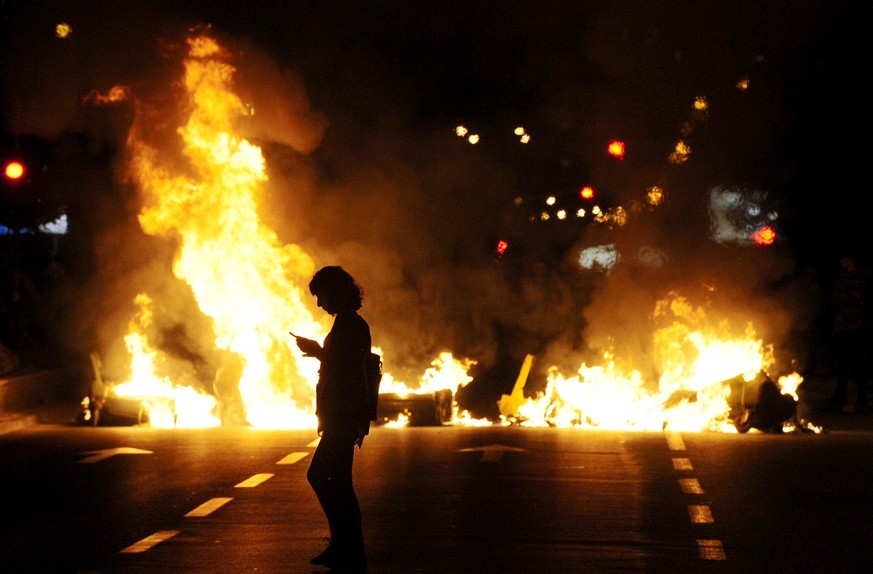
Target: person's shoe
{"type": "Point", "coordinates": [325, 558]}
{"type": "Point", "coordinates": [347, 563]}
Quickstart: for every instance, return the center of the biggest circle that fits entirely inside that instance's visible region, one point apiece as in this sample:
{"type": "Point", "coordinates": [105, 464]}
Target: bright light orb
{"type": "Point", "coordinates": [14, 170]}
{"type": "Point", "coordinates": [63, 30]}
{"type": "Point", "coordinates": [616, 149]}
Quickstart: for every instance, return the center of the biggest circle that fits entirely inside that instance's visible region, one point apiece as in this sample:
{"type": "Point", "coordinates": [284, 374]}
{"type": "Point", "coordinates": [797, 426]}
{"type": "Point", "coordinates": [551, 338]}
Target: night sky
{"type": "Point", "coordinates": [361, 100]}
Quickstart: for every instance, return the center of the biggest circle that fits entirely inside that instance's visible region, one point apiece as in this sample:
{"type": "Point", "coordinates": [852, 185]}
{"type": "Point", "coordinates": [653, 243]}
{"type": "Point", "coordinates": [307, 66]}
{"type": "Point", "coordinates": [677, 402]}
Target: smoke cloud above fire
{"type": "Point", "coordinates": [355, 114]}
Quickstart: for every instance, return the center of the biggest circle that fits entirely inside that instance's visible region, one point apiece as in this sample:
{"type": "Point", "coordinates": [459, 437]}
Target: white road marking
{"type": "Point", "coordinates": [98, 455]}
{"type": "Point", "coordinates": [690, 486]}
{"type": "Point", "coordinates": [314, 443]}
{"type": "Point", "coordinates": [209, 507]}
{"type": "Point", "coordinates": [700, 514]}
{"type": "Point", "coordinates": [254, 480]}
{"type": "Point", "coordinates": [674, 441]}
{"type": "Point", "coordinates": [149, 541]}
{"type": "Point", "coordinates": [293, 457]}
{"type": "Point", "coordinates": [711, 550]}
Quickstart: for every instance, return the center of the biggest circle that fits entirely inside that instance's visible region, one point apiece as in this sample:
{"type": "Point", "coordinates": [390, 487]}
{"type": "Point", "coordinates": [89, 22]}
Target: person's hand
{"type": "Point", "coordinates": [362, 431]}
{"type": "Point", "coordinates": [309, 347]}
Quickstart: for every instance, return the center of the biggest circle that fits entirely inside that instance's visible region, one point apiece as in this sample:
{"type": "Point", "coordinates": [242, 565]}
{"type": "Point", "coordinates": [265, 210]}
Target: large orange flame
{"type": "Point", "coordinates": [697, 363]}
{"type": "Point", "coordinates": [242, 277]}
{"type": "Point", "coordinates": [252, 288]}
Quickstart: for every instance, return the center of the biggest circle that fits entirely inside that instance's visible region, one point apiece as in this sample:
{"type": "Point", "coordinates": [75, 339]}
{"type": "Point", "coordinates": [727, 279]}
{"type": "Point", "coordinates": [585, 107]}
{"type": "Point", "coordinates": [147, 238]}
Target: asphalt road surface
{"type": "Point", "coordinates": [438, 500]}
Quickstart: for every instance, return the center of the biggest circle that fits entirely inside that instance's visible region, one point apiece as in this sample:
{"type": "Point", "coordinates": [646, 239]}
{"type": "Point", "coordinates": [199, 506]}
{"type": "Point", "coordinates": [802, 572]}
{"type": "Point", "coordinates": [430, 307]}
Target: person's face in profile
{"type": "Point", "coordinates": [327, 302]}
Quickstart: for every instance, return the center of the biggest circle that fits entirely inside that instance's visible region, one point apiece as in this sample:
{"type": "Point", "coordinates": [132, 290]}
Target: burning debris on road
{"type": "Point", "coordinates": [202, 338]}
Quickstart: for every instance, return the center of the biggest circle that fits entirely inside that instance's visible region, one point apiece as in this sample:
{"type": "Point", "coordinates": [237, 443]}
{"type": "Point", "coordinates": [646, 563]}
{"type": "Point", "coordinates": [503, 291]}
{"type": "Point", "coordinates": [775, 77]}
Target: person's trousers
{"type": "Point", "coordinates": [330, 475]}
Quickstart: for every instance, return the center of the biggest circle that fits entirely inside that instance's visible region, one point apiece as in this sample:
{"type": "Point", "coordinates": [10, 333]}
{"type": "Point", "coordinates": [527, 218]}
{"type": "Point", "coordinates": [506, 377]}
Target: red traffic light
{"type": "Point", "coordinates": [502, 246]}
{"type": "Point", "coordinates": [13, 170]}
{"type": "Point", "coordinates": [616, 149]}
{"type": "Point", "coordinates": [764, 236]}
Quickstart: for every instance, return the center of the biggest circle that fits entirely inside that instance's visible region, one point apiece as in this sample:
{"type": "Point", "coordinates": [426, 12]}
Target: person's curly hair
{"type": "Point", "coordinates": [337, 283]}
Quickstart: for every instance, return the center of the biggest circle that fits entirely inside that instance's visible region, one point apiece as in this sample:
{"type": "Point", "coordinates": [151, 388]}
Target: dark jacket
{"type": "Point", "coordinates": [341, 392]}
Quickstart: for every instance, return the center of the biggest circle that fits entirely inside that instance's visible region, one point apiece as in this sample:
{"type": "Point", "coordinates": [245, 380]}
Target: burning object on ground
{"type": "Point", "coordinates": [509, 405]}
{"type": "Point", "coordinates": [427, 409]}
{"type": "Point", "coordinates": [103, 407]}
{"type": "Point", "coordinates": [759, 403]}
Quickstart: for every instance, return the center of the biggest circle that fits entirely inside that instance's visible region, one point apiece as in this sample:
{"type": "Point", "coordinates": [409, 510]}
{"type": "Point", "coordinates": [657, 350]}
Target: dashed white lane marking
{"type": "Point", "coordinates": [314, 443]}
{"type": "Point", "coordinates": [293, 457]}
{"type": "Point", "coordinates": [209, 507]}
{"type": "Point", "coordinates": [674, 441]}
{"type": "Point", "coordinates": [98, 455]}
{"type": "Point", "coordinates": [690, 486]}
{"type": "Point", "coordinates": [149, 541]}
{"type": "Point", "coordinates": [254, 480]}
{"type": "Point", "coordinates": [212, 505]}
{"type": "Point", "coordinates": [700, 514]}
{"type": "Point", "coordinates": [711, 550]}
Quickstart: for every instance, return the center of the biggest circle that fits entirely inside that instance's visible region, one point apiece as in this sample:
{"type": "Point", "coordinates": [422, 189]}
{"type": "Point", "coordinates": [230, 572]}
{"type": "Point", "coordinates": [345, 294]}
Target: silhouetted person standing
{"type": "Point", "coordinates": [851, 294]}
{"type": "Point", "coordinates": [341, 408]}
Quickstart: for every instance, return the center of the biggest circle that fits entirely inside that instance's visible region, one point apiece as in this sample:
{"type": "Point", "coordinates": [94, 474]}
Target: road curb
{"type": "Point", "coordinates": [15, 421]}
{"type": "Point", "coordinates": [38, 397]}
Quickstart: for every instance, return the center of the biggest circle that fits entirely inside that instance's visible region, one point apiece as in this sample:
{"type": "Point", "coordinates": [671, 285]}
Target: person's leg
{"type": "Point", "coordinates": [330, 475]}
{"type": "Point", "coordinates": [320, 472]}
{"type": "Point", "coordinates": [349, 534]}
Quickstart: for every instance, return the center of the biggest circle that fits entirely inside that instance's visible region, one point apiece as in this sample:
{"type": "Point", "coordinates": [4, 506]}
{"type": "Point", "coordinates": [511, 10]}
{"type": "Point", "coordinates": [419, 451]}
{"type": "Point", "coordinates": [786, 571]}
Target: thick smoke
{"type": "Point", "coordinates": [365, 171]}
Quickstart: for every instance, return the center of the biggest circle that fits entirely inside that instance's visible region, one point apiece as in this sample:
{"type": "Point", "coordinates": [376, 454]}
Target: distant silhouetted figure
{"type": "Point", "coordinates": [343, 418]}
{"type": "Point", "coordinates": [851, 292]}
